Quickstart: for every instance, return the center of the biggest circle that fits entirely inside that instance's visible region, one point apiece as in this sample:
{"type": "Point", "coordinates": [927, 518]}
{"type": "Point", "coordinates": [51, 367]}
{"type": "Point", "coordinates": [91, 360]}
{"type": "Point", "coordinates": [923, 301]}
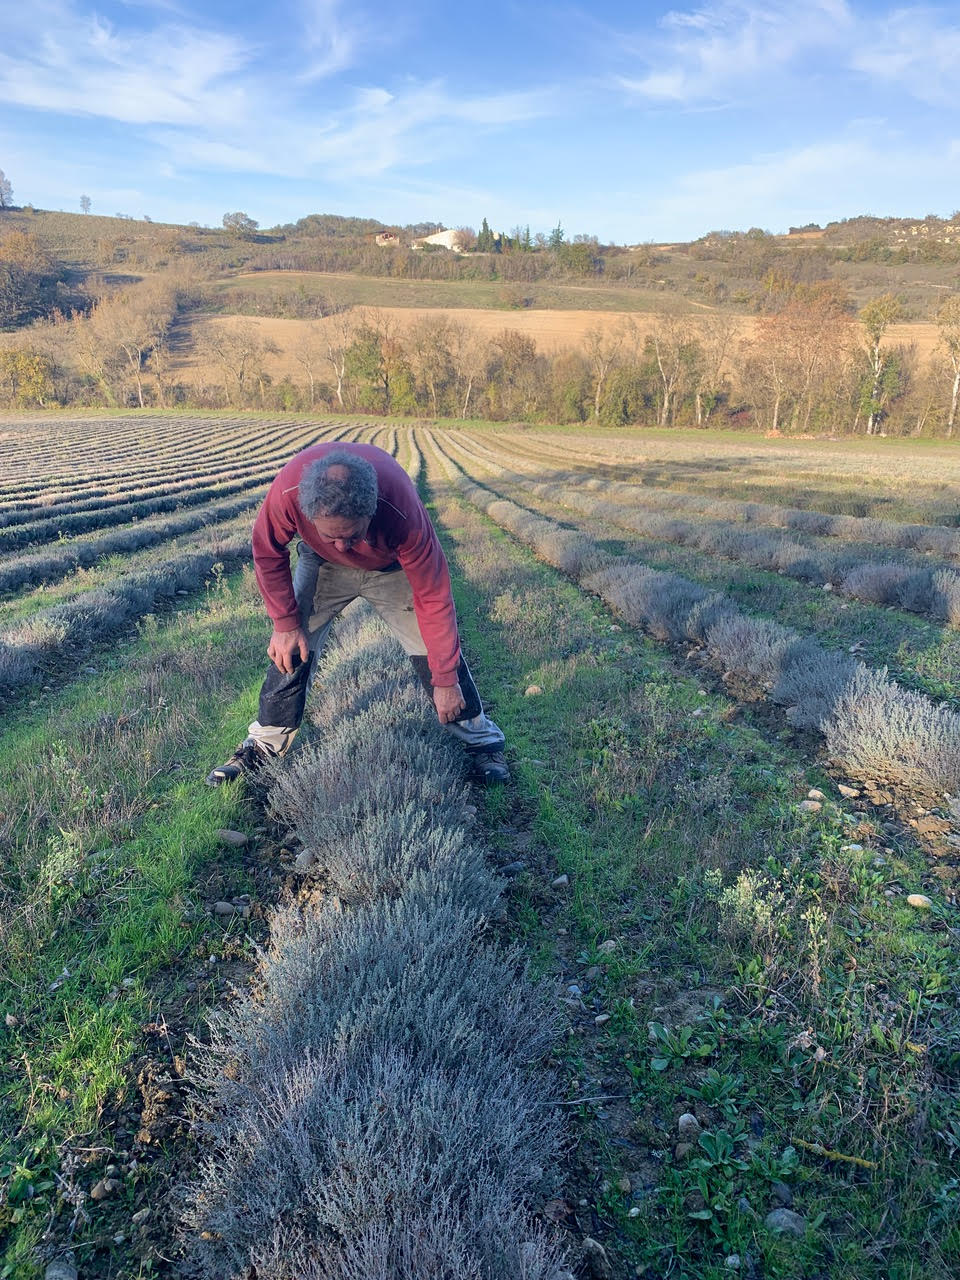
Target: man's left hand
{"type": "Point", "coordinates": [449, 703]}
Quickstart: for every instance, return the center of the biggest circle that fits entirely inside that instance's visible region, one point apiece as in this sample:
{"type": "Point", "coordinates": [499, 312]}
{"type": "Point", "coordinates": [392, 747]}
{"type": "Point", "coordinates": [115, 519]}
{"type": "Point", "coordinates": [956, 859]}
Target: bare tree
{"type": "Point", "coordinates": [6, 191]}
{"type": "Point", "coordinates": [876, 317]}
{"type": "Point", "coordinates": [603, 351]}
{"type": "Point", "coordinates": [85, 203]}
{"type": "Point", "coordinates": [238, 351]}
{"type": "Point", "coordinates": [948, 322]}
{"type": "Point", "coordinates": [677, 353]}
{"type": "Point", "coordinates": [336, 330]}
{"type": "Point", "coordinates": [429, 345]}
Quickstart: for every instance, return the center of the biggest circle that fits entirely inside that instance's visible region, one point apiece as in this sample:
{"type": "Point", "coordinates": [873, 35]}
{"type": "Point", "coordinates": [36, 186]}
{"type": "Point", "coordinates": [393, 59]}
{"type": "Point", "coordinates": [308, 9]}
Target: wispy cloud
{"type": "Point", "coordinates": [332, 42]}
{"type": "Point", "coordinates": [917, 49]}
{"type": "Point", "coordinates": [717, 49]}
{"type": "Point", "coordinates": [55, 59]}
{"type": "Point", "coordinates": [820, 181]}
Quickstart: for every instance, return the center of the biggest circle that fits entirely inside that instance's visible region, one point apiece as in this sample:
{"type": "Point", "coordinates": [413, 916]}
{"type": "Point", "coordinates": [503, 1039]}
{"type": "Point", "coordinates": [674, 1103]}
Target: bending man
{"type": "Point", "coordinates": [363, 533]}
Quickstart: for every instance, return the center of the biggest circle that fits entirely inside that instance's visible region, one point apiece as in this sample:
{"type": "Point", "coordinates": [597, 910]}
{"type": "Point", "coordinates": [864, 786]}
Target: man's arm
{"type": "Point", "coordinates": [423, 561]}
{"type": "Point", "coordinates": [272, 532]}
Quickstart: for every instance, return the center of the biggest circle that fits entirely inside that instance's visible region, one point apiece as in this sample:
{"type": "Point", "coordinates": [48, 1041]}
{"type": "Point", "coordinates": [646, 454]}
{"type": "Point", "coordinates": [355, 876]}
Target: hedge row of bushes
{"type": "Point", "coordinates": [66, 631]}
{"type": "Point", "coordinates": [80, 495]}
{"type": "Point", "coordinates": [929, 589]}
{"type": "Point", "coordinates": [938, 539]}
{"type": "Point", "coordinates": [48, 566]}
{"type": "Point", "coordinates": [376, 1105]}
{"type": "Point", "coordinates": [222, 442]}
{"type": "Point", "coordinates": [875, 730]}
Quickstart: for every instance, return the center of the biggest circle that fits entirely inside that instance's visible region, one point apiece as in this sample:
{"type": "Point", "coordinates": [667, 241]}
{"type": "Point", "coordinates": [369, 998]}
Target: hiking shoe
{"type": "Point", "coordinates": [247, 760]}
{"type": "Point", "coordinates": [490, 768]}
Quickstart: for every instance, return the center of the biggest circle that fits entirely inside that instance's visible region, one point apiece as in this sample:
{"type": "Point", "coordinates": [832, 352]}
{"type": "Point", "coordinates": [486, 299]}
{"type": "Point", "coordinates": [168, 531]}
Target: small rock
{"type": "Point", "coordinates": [181, 592]}
{"type": "Point", "coordinates": [104, 1188]}
{"type": "Point", "coordinates": [682, 1150]}
{"type": "Point", "coordinates": [809, 806]}
{"type": "Point", "coordinates": [245, 912]}
{"type": "Point", "coordinates": [127, 983]}
{"type": "Point", "coordinates": [732, 1262]}
{"type": "Point", "coordinates": [513, 868]}
{"type": "Point", "coordinates": [90, 671]}
{"type": "Point", "coordinates": [532, 691]}
{"type": "Point", "coordinates": [235, 838]}
{"type": "Point", "coordinates": [605, 948]}
{"type": "Point", "coordinates": [596, 1263]}
{"type": "Point", "coordinates": [920, 901]}
{"type": "Point", "coordinates": [782, 1195]}
{"type": "Point", "coordinates": [119, 1238]}
{"type": "Point", "coordinates": [304, 862]}
{"type": "Point", "coordinates": [814, 794]}
{"type": "Point", "coordinates": [11, 1020]}
{"type": "Point", "coordinates": [614, 627]}
{"type": "Point", "coordinates": [688, 1127]}
{"type": "Point", "coordinates": [852, 848]}
{"type": "Point", "coordinates": [560, 882]}
{"type": "Point", "coordinates": [827, 586]}
{"type": "Point", "coordinates": [745, 1207]}
{"type": "Point", "coordinates": [469, 810]}
{"type": "Point", "coordinates": [562, 933]}
{"type": "Point", "coordinates": [61, 1269]}
{"type": "Point", "coordinates": [140, 1217]}
{"type": "Point", "coordinates": [593, 973]}
{"type": "Point", "coordinates": [601, 1019]}
{"type": "Point", "coordinates": [190, 985]}
{"type": "Point", "coordinates": [540, 764]}
{"type": "Point", "coordinates": [574, 989]}
{"type": "Point", "coordinates": [785, 1222]}
{"type": "Point", "coordinates": [223, 909]}
{"type": "Point", "coordinates": [848, 793]}
{"type": "Point", "coordinates": [624, 1185]}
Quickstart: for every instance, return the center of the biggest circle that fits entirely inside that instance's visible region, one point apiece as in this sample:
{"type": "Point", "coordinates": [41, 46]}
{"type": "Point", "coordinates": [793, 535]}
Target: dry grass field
{"type": "Point", "coordinates": [685, 992]}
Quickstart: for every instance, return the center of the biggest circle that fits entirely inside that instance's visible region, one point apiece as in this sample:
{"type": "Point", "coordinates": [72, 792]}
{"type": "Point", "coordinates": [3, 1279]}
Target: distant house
{"type": "Point", "coordinates": [446, 239]}
{"type": "Point", "coordinates": [387, 238]}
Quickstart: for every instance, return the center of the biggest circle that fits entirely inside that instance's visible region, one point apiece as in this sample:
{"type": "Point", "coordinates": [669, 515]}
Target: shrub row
{"type": "Point", "coordinates": [176, 481]}
{"type": "Point", "coordinates": [376, 1107]}
{"type": "Point", "coordinates": [70, 629]}
{"type": "Point", "coordinates": [938, 539]}
{"type": "Point", "coordinates": [222, 442]}
{"type": "Point", "coordinates": [64, 558]}
{"type": "Point", "coordinates": [874, 729]}
{"type": "Point", "coordinates": [929, 589]}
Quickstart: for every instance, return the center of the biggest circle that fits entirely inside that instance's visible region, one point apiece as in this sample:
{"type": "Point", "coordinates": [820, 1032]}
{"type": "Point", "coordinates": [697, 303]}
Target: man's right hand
{"type": "Point", "coordinates": [284, 645]}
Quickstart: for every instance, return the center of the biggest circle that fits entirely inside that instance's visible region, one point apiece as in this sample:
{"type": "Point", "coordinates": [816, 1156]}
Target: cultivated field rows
{"type": "Point", "coordinates": [858, 571]}
{"type": "Point", "coordinates": [874, 729]}
{"type": "Point", "coordinates": [884, 465]}
{"type": "Point", "coordinates": [379, 1101]}
{"type": "Point", "coordinates": [52, 466]}
{"type": "Point", "coordinates": [924, 654]}
{"type": "Point", "coordinates": [934, 538]}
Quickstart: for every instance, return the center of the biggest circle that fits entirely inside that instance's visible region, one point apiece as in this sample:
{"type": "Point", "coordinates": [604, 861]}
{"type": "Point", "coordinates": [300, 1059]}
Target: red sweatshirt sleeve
{"type": "Point", "coordinates": [273, 530]}
{"type": "Point", "coordinates": [425, 565]}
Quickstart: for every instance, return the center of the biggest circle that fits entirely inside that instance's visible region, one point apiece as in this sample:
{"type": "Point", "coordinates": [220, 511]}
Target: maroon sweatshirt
{"type": "Point", "coordinates": [400, 532]}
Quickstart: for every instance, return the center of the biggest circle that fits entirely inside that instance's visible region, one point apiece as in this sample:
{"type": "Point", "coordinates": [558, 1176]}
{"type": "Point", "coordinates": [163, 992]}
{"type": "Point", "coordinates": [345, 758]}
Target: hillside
{"type": "Point", "coordinates": [154, 316]}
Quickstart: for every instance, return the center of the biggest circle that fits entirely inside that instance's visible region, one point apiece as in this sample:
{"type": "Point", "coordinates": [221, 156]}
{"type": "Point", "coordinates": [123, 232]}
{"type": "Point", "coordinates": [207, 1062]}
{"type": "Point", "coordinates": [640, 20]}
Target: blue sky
{"type": "Point", "coordinates": [630, 121]}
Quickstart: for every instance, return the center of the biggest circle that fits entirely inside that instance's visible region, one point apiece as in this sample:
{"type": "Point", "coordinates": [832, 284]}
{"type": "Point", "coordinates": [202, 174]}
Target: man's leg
{"type": "Point", "coordinates": [392, 597]}
{"type": "Point", "coordinates": [322, 591]}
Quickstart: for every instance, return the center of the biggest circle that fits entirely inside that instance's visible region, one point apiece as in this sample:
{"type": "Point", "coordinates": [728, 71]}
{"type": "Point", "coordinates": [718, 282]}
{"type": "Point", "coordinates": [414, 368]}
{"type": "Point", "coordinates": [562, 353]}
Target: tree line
{"type": "Point", "coordinates": [814, 365]}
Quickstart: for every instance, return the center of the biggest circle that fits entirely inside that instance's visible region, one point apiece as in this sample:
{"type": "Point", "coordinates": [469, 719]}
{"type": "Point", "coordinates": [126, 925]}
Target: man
{"type": "Point", "coordinates": [363, 534]}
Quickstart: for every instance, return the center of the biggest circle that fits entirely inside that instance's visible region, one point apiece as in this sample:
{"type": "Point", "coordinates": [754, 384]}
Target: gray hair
{"type": "Point", "coordinates": [352, 497]}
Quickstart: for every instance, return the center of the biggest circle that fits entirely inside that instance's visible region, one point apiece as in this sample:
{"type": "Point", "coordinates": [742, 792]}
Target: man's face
{"type": "Point", "coordinates": [343, 533]}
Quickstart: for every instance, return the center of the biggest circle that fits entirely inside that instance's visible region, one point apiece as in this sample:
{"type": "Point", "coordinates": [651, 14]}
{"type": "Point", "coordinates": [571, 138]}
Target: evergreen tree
{"type": "Point", "coordinates": [485, 238]}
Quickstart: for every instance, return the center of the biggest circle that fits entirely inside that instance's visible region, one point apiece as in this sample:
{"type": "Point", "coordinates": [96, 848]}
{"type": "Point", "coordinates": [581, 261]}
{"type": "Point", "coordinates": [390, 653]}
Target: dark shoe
{"type": "Point", "coordinates": [247, 760]}
{"type": "Point", "coordinates": [490, 768]}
